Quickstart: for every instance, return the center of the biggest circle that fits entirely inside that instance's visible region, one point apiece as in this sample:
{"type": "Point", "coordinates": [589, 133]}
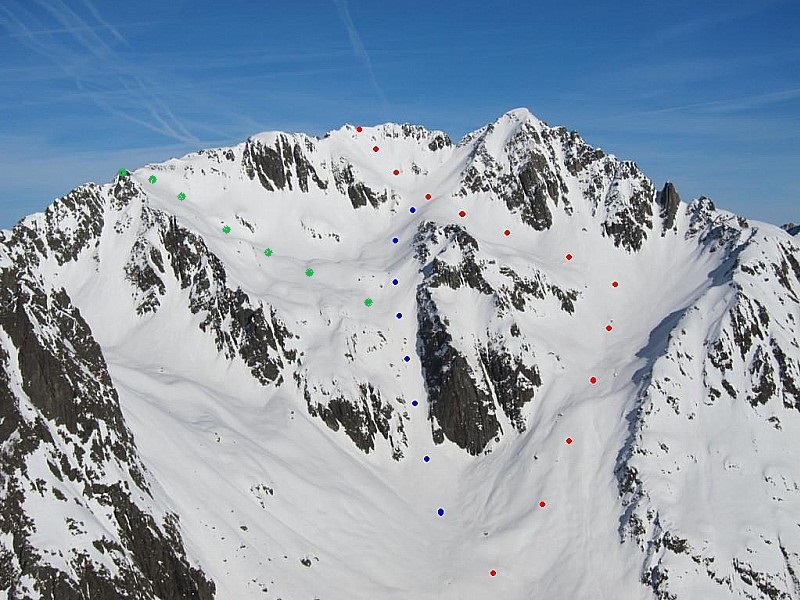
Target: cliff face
{"type": "Point", "coordinates": [67, 452]}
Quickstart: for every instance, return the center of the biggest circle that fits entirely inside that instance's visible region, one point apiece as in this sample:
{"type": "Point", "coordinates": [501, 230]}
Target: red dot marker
{"type": "Point", "coordinates": [542, 504]}
{"type": "Point", "coordinates": [396, 172]}
{"type": "Point", "coordinates": [492, 572]}
{"type": "Point", "coordinates": [359, 129]}
{"type": "Point", "coordinates": [609, 328]}
{"type": "Point", "coordinates": [615, 284]}
{"type": "Point", "coordinates": [568, 440]}
{"type": "Point", "coordinates": [507, 232]}
{"type": "Point", "coordinates": [569, 257]}
{"type": "Point", "coordinates": [427, 196]}
{"type": "Point", "coordinates": [592, 380]}
{"type": "Point", "coordinates": [375, 148]}
{"type": "Point", "coordinates": [461, 213]}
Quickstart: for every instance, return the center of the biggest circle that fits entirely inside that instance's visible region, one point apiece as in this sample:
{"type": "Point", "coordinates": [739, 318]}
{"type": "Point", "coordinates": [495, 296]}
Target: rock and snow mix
{"type": "Point", "coordinates": [185, 412]}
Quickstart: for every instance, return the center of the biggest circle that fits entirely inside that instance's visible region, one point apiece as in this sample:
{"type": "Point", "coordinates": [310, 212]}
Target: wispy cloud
{"type": "Point", "coordinates": [730, 105]}
{"type": "Point", "coordinates": [86, 36]}
{"type": "Point", "coordinates": [88, 57]}
{"type": "Point", "coordinates": [711, 19]}
{"type": "Point", "coordinates": [99, 18]}
{"type": "Point", "coordinates": [648, 73]}
{"type": "Point", "coordinates": [359, 49]}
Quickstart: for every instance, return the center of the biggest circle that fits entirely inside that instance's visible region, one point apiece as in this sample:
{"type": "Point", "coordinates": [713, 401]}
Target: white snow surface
{"type": "Point", "coordinates": [259, 484]}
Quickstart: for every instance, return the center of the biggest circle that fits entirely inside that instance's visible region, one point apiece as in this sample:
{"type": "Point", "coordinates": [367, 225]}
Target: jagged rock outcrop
{"type": "Point", "coordinates": [277, 166]}
{"type": "Point", "coordinates": [466, 390]}
{"type": "Point", "coordinates": [791, 228]}
{"type": "Point", "coordinates": [669, 201]}
{"type": "Point", "coordinates": [361, 417]}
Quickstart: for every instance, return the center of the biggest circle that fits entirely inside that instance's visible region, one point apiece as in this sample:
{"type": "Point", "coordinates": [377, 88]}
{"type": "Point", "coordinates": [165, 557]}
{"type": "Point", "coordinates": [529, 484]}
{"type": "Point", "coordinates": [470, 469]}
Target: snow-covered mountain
{"type": "Point", "coordinates": [383, 365]}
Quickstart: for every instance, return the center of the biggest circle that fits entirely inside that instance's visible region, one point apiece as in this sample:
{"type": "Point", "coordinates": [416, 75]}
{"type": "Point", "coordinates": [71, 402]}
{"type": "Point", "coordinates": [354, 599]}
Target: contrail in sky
{"type": "Point", "coordinates": [358, 47]}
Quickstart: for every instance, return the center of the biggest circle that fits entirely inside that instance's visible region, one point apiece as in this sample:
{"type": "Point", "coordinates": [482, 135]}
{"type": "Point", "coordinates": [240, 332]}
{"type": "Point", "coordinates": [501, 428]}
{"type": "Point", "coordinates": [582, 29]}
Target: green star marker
{"type": "Point", "coordinates": [268, 252]}
{"type": "Point", "coordinates": [152, 179]}
{"type": "Point", "coordinates": [122, 173]}
{"type": "Point", "coordinates": [226, 229]}
{"type": "Point", "coordinates": [368, 301]}
{"type": "Point", "coordinates": [309, 272]}
{"type": "Point", "coordinates": [181, 196]}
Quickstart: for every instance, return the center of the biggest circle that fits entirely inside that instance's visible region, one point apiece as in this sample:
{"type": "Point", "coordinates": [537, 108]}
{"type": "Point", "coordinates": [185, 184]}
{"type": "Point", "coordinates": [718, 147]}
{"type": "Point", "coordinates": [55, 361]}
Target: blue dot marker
{"type": "Point", "coordinates": [441, 512]}
{"type": "Point", "coordinates": [406, 358]}
{"type": "Point", "coordinates": [414, 403]}
{"type": "Point", "coordinates": [395, 240]}
{"type": "Point", "coordinates": [427, 458]}
{"type": "Point", "coordinates": [395, 282]}
{"type": "Point", "coordinates": [399, 315]}
{"type": "Point", "coordinates": [412, 210]}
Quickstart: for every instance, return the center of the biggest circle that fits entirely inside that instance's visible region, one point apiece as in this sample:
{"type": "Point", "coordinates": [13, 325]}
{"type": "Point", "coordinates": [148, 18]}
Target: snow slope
{"type": "Point", "coordinates": [271, 411]}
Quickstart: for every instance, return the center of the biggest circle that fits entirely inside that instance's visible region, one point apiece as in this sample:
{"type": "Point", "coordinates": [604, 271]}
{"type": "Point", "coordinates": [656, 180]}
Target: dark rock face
{"type": "Point", "coordinates": [578, 155]}
{"type": "Point", "coordinates": [64, 376]}
{"type": "Point", "coordinates": [763, 582]}
{"type": "Point", "coordinates": [535, 182]}
{"type": "Point", "coordinates": [13, 480]}
{"type": "Point", "coordinates": [669, 201]}
{"type": "Point", "coordinates": [433, 140]}
{"type": "Point", "coordinates": [464, 402]}
{"type": "Point", "coordinates": [528, 189]}
{"type": "Point", "coordinates": [83, 206]}
{"type": "Point", "coordinates": [538, 189]}
{"type": "Point", "coordinates": [63, 396]}
{"type": "Point", "coordinates": [791, 228]}
{"type": "Point", "coordinates": [711, 230]}
{"type": "Point", "coordinates": [788, 376]}
{"type": "Point", "coordinates": [158, 555]}
{"type": "Point", "coordinates": [629, 215]}
{"type": "Point", "coordinates": [361, 417]}
{"type": "Point", "coordinates": [513, 381]}
{"type": "Point", "coordinates": [140, 270]}
{"type": "Point", "coordinates": [465, 413]}
{"type": "Point", "coordinates": [359, 194]}
{"type": "Point", "coordinates": [465, 391]}
{"type": "Point", "coordinates": [439, 141]}
{"type": "Point", "coordinates": [530, 174]}
{"type": "Point", "coordinates": [748, 336]}
{"type": "Point", "coordinates": [275, 167]}
{"type": "Point", "coordinates": [240, 327]}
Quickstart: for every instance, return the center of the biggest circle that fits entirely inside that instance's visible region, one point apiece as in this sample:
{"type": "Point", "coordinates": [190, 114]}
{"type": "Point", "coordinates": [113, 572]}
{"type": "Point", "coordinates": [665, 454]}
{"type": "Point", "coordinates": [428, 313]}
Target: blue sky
{"type": "Point", "coordinates": [706, 94]}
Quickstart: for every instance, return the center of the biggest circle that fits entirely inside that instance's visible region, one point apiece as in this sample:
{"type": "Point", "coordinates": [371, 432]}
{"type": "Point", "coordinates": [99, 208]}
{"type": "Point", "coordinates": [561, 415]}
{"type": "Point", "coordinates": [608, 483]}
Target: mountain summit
{"type": "Point", "coordinates": [381, 364]}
